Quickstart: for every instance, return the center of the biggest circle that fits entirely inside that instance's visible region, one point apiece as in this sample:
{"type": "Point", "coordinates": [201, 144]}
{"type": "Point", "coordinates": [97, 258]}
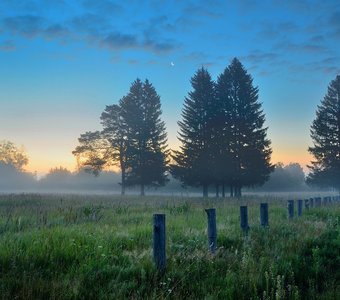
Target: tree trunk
{"type": "Point", "coordinates": [217, 190]}
{"type": "Point", "coordinates": [123, 183]}
{"type": "Point", "coordinates": [237, 192]}
{"type": "Point", "coordinates": [231, 191]}
{"type": "Point", "coordinates": [205, 190]}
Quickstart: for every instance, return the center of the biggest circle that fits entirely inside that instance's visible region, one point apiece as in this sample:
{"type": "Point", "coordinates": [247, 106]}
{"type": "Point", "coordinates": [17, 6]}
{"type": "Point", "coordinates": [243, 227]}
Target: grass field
{"type": "Point", "coordinates": [100, 247]}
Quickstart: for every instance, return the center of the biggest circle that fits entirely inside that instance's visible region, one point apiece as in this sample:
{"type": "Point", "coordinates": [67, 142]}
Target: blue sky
{"type": "Point", "coordinates": [62, 61]}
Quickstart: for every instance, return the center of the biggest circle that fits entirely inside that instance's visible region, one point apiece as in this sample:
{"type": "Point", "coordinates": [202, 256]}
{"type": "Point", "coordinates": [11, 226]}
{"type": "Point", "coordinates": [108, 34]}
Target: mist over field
{"type": "Point", "coordinates": [289, 178]}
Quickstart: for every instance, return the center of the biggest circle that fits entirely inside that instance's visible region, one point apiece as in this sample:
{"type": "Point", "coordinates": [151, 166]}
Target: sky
{"type": "Point", "coordinates": [63, 61]}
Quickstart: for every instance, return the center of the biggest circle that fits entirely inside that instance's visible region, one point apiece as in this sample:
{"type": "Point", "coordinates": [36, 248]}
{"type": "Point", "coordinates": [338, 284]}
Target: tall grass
{"type": "Point", "coordinates": [99, 247]}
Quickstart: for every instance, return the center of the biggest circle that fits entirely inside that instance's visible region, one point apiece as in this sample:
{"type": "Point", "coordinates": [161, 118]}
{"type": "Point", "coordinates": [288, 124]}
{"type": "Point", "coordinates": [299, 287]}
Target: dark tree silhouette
{"type": "Point", "coordinates": [133, 137]}
{"type": "Point", "coordinates": [105, 148]}
{"type": "Point", "coordinates": [146, 149]}
{"type": "Point", "coordinates": [325, 133]}
{"type": "Point", "coordinates": [245, 146]}
{"type": "Point", "coordinates": [194, 163]}
{"type": "Point", "coordinates": [115, 133]}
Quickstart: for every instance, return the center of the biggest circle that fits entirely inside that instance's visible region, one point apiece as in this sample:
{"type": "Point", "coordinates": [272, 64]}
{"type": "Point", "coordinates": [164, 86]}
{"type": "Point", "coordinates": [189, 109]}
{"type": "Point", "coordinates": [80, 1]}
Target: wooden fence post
{"type": "Point", "coordinates": [300, 203]}
{"type": "Point", "coordinates": [317, 201]}
{"type": "Point", "coordinates": [290, 209]}
{"type": "Point", "coordinates": [311, 202]}
{"type": "Point", "coordinates": [306, 203]}
{"type": "Point", "coordinates": [212, 231]}
{"type": "Point", "coordinates": [244, 218]}
{"type": "Point", "coordinates": [159, 237]}
{"type": "Point", "coordinates": [325, 200]}
{"type": "Point", "coordinates": [264, 214]}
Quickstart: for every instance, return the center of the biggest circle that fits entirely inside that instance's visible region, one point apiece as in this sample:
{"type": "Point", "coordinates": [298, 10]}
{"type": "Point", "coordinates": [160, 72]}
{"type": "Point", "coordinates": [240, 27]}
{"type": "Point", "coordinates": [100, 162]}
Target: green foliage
{"type": "Point", "coordinates": [146, 151]}
{"type": "Point", "coordinates": [10, 154]}
{"type": "Point", "coordinates": [222, 133]}
{"type": "Point", "coordinates": [133, 137]}
{"type": "Point", "coordinates": [99, 247]}
{"type": "Point", "coordinates": [193, 164]}
{"type": "Point", "coordinates": [325, 133]}
{"type": "Point", "coordinates": [244, 134]}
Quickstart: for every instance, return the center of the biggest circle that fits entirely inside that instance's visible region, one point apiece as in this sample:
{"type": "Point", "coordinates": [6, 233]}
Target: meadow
{"type": "Point", "coordinates": [100, 247]}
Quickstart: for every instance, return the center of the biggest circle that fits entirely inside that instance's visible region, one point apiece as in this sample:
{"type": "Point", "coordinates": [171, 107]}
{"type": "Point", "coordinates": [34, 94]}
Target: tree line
{"type": "Point", "coordinates": [223, 139]}
{"type": "Point", "coordinates": [61, 180]}
{"type": "Point", "coordinates": [222, 135]}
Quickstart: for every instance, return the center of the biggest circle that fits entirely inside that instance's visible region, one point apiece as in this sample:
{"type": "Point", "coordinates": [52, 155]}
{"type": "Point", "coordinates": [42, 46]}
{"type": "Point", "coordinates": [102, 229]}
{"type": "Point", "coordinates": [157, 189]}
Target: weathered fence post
{"type": "Point", "coordinates": [311, 202]}
{"type": "Point", "coordinates": [212, 231]}
{"type": "Point", "coordinates": [317, 201]}
{"type": "Point", "coordinates": [244, 218]}
{"type": "Point", "coordinates": [300, 203]}
{"type": "Point", "coordinates": [264, 214]}
{"type": "Point", "coordinates": [325, 200]}
{"type": "Point", "coordinates": [290, 209]}
{"type": "Point", "coordinates": [306, 203]}
{"type": "Point", "coordinates": [159, 254]}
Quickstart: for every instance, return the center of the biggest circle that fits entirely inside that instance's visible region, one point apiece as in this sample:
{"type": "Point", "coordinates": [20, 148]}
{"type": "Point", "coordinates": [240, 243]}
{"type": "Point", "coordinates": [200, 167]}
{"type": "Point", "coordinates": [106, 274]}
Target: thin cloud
{"type": "Point", "coordinates": [258, 57]}
{"type": "Point", "coordinates": [26, 25]}
{"type": "Point", "coordinates": [103, 7]}
{"type": "Point", "coordinates": [89, 23]}
{"type": "Point", "coordinates": [159, 46]}
{"type": "Point", "coordinates": [301, 48]}
{"type": "Point", "coordinates": [203, 11]}
{"type": "Point", "coordinates": [276, 31]}
{"type": "Point", "coordinates": [7, 46]}
{"type": "Point", "coordinates": [334, 19]}
{"type": "Point", "coordinates": [334, 22]}
{"type": "Point", "coordinates": [94, 28]}
{"type": "Point", "coordinates": [116, 40]}
{"type": "Point", "coordinates": [31, 26]}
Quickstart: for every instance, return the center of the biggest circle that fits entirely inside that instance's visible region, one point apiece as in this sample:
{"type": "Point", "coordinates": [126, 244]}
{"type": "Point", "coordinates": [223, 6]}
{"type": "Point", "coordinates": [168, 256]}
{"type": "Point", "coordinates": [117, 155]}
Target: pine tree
{"type": "Point", "coordinates": [245, 147]}
{"type": "Point", "coordinates": [146, 136]}
{"type": "Point", "coordinates": [325, 133]}
{"type": "Point", "coordinates": [193, 163]}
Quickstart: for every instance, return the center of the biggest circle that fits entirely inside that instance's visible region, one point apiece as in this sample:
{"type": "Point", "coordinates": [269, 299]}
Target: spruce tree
{"type": "Point", "coordinates": [194, 162]}
{"type": "Point", "coordinates": [146, 138]}
{"type": "Point", "coordinates": [245, 147]}
{"type": "Point", "coordinates": [325, 133]}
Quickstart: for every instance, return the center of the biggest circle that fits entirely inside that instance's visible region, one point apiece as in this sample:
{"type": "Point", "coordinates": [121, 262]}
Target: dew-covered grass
{"type": "Point", "coordinates": [100, 247]}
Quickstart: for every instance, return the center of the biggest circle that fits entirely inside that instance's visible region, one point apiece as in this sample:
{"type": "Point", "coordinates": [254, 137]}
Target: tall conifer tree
{"type": "Point", "coordinates": [147, 139]}
{"type": "Point", "coordinates": [245, 147]}
{"type": "Point", "coordinates": [325, 133]}
{"type": "Point", "coordinates": [193, 163]}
